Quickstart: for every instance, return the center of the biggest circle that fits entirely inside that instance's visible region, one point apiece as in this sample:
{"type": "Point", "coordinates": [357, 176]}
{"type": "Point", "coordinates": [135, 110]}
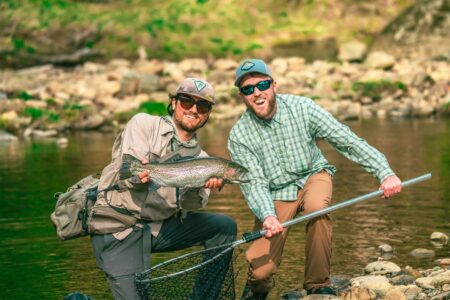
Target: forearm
{"type": "Point", "coordinates": [324, 125]}
{"type": "Point", "coordinates": [259, 200]}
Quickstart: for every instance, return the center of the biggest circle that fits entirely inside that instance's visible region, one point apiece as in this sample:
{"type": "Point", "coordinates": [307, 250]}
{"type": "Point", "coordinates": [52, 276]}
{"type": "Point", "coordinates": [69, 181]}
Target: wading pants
{"type": "Point", "coordinates": [122, 259]}
{"type": "Point", "coordinates": [264, 255]}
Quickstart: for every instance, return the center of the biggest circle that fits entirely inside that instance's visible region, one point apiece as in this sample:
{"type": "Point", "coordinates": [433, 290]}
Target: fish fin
{"type": "Point", "coordinates": [153, 186]}
{"type": "Point", "coordinates": [169, 159]}
{"type": "Point", "coordinates": [181, 158]}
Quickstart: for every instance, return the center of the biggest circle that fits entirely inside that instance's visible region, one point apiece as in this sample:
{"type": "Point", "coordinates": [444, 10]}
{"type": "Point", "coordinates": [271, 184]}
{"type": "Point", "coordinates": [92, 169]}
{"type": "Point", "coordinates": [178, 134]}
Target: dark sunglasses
{"type": "Point", "coordinates": [202, 106]}
{"type": "Point", "coordinates": [250, 89]}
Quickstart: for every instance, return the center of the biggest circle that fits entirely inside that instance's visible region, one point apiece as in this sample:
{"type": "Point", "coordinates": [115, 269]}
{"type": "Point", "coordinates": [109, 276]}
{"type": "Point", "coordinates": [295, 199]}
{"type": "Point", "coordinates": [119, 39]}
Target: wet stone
{"type": "Point", "coordinates": [422, 253]}
{"type": "Point", "coordinates": [402, 280]}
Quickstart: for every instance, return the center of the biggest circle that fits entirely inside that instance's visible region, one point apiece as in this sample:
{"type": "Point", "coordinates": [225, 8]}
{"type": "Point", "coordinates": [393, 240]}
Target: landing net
{"type": "Point", "coordinates": [205, 274]}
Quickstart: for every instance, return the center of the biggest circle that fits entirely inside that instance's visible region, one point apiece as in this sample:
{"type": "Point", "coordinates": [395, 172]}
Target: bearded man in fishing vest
{"type": "Point", "coordinates": [275, 139]}
{"type": "Point", "coordinates": [165, 220]}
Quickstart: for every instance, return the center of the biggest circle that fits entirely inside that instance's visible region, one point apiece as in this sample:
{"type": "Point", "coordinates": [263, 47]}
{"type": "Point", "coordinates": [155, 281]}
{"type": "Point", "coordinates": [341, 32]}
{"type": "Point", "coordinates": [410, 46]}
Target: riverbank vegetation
{"type": "Point", "coordinates": [38, 31]}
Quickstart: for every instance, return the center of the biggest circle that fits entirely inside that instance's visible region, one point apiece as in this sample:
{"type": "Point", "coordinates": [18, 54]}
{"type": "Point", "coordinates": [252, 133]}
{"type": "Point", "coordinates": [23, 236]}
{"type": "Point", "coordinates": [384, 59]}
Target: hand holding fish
{"type": "Point", "coordinates": [214, 183]}
{"type": "Point", "coordinates": [207, 172]}
{"type": "Point", "coordinates": [144, 176]}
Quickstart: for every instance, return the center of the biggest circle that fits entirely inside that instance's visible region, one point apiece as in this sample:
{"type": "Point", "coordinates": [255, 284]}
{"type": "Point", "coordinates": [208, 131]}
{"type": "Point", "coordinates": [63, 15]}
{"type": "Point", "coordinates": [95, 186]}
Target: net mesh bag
{"type": "Point", "coordinates": [205, 274]}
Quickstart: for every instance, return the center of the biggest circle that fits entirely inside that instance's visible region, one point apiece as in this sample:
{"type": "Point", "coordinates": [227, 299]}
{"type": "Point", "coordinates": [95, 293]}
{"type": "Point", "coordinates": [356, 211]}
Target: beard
{"type": "Point", "coordinates": [187, 126]}
{"type": "Point", "coordinates": [268, 111]}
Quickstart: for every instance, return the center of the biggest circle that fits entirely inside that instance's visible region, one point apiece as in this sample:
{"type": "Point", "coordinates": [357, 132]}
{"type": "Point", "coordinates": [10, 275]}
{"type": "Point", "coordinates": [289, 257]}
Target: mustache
{"type": "Point", "coordinates": [191, 114]}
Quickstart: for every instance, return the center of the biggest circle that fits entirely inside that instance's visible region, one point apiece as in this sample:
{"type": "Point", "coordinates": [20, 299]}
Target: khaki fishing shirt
{"type": "Point", "coordinates": [148, 137]}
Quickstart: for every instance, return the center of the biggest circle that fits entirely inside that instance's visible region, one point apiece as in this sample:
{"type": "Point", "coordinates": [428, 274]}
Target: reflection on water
{"type": "Point", "coordinates": [35, 264]}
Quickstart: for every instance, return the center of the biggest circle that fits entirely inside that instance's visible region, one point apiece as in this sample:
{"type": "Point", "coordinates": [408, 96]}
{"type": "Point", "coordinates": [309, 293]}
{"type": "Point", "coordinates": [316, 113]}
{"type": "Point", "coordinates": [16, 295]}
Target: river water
{"type": "Point", "coordinates": [34, 264]}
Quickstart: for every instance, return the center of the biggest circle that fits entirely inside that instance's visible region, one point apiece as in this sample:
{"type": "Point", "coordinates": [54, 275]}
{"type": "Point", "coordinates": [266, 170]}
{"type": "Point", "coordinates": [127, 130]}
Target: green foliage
{"type": "Point", "coordinates": [37, 113]}
{"type": "Point", "coordinates": [73, 106]}
{"type": "Point", "coordinates": [374, 89]}
{"type": "Point", "coordinates": [34, 113]}
{"type": "Point", "coordinates": [50, 101]}
{"type": "Point", "coordinates": [176, 29]}
{"type": "Point", "coordinates": [153, 108]}
{"type": "Point", "coordinates": [24, 96]}
{"type": "Point", "coordinates": [53, 117]}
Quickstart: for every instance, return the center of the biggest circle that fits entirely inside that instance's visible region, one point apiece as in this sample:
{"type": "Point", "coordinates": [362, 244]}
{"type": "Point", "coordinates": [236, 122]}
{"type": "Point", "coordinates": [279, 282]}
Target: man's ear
{"type": "Point", "coordinates": [274, 86]}
{"type": "Point", "coordinates": [174, 103]}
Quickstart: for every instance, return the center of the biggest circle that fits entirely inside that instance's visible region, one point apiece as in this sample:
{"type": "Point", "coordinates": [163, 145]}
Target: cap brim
{"type": "Point", "coordinates": [239, 79]}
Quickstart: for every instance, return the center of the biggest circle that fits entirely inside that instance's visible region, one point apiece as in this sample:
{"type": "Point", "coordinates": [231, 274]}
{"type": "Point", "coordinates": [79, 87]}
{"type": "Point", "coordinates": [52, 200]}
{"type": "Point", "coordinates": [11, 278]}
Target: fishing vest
{"type": "Point", "coordinates": [152, 138]}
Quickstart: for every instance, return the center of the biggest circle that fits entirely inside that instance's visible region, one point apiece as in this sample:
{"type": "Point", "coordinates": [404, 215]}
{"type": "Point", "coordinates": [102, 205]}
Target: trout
{"type": "Point", "coordinates": [191, 172]}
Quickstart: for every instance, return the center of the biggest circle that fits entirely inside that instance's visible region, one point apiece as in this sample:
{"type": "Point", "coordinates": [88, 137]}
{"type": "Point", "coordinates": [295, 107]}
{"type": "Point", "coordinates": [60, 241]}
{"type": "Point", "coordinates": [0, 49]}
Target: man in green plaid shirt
{"type": "Point", "coordinates": [276, 140]}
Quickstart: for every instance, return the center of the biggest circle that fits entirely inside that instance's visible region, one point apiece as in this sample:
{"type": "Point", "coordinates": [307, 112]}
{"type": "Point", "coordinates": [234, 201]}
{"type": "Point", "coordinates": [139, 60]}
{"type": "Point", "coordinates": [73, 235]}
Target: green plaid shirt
{"type": "Point", "coordinates": [282, 153]}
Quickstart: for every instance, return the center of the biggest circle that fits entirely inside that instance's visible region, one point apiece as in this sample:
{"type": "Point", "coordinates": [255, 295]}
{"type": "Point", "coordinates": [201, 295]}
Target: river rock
{"type": "Point", "coordinates": [413, 272]}
{"type": "Point", "coordinates": [36, 104]}
{"type": "Point", "coordinates": [225, 64]}
{"type": "Point", "coordinates": [382, 268]}
{"type": "Point", "coordinates": [422, 253]}
{"type": "Point", "coordinates": [433, 282]}
{"type": "Point", "coordinates": [144, 66]}
{"type": "Point", "coordinates": [445, 262]}
{"type": "Point", "coordinates": [159, 97]}
{"type": "Point", "coordinates": [420, 108]}
{"type": "Point", "coordinates": [379, 60]}
{"type": "Point", "coordinates": [44, 133]}
{"type": "Point", "coordinates": [130, 83]}
{"type": "Point", "coordinates": [193, 66]}
{"type": "Point", "coordinates": [441, 296]}
{"type": "Point", "coordinates": [439, 237]}
{"type": "Point", "coordinates": [10, 116]}
{"type": "Point", "coordinates": [321, 297]}
{"type": "Point", "coordinates": [403, 279]}
{"type": "Point", "coordinates": [62, 142]}
{"type": "Point", "coordinates": [359, 293]}
{"type": "Point", "coordinates": [294, 295]}
{"type": "Point", "coordinates": [119, 63]}
{"type": "Point", "coordinates": [352, 51]}
{"type": "Point", "coordinates": [92, 122]}
{"type": "Point", "coordinates": [6, 137]}
{"type": "Point", "coordinates": [395, 294]}
{"type": "Point", "coordinates": [148, 83]}
{"type": "Point", "coordinates": [385, 248]}
{"type": "Point", "coordinates": [379, 284]}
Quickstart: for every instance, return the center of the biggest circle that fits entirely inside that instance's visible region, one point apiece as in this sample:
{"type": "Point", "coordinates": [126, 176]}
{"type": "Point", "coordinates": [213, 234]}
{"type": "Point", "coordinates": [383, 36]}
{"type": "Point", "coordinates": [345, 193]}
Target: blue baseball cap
{"type": "Point", "coordinates": [251, 66]}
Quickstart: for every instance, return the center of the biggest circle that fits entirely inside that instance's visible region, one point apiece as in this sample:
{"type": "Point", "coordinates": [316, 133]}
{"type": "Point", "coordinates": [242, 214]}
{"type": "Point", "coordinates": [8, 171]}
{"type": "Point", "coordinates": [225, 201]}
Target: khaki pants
{"type": "Point", "coordinates": [264, 255]}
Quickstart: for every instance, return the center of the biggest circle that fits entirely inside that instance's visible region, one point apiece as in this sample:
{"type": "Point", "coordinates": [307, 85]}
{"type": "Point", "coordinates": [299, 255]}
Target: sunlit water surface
{"type": "Point", "coordinates": [34, 264]}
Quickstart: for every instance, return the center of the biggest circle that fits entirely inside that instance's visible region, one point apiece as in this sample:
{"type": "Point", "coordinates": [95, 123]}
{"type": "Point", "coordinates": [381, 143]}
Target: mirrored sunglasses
{"type": "Point", "coordinates": [250, 89]}
{"type": "Point", "coordinates": [187, 103]}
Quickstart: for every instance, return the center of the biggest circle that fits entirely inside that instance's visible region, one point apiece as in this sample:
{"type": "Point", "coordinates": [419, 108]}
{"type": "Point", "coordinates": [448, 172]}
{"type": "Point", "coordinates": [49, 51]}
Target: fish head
{"type": "Point", "coordinates": [235, 173]}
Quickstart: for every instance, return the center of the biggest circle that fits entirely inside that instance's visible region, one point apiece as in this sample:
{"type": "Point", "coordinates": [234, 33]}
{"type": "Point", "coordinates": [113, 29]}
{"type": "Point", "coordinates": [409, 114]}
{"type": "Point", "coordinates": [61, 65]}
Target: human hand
{"type": "Point", "coordinates": [391, 186]}
{"type": "Point", "coordinates": [214, 183]}
{"type": "Point", "coordinates": [144, 176]}
{"type": "Point", "coordinates": [272, 225]}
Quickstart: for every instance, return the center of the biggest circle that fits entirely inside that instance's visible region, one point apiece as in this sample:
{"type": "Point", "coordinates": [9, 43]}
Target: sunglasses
{"type": "Point", "coordinates": [250, 89]}
{"type": "Point", "coordinates": [187, 103]}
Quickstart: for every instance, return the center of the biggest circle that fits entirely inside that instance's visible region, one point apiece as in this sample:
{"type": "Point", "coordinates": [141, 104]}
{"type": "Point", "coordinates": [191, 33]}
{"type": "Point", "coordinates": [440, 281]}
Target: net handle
{"type": "Point", "coordinates": [251, 236]}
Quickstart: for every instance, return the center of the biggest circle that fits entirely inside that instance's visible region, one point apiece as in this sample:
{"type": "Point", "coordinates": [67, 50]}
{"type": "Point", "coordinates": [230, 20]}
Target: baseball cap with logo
{"type": "Point", "coordinates": [196, 87]}
{"type": "Point", "coordinates": [251, 66]}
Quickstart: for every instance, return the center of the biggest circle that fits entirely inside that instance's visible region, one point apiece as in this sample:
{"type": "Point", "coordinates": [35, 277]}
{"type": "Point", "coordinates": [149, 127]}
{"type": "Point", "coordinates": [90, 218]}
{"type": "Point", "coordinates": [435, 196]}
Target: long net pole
{"type": "Point", "coordinates": [257, 234]}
